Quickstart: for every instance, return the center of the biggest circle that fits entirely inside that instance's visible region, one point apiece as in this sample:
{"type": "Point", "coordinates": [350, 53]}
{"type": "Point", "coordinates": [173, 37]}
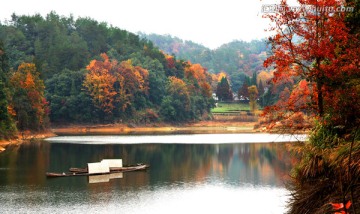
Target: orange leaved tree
{"type": "Point", "coordinates": [112, 84]}
{"type": "Point", "coordinates": [100, 83]}
{"type": "Point", "coordinates": [132, 80]}
{"type": "Point", "coordinates": [28, 102]}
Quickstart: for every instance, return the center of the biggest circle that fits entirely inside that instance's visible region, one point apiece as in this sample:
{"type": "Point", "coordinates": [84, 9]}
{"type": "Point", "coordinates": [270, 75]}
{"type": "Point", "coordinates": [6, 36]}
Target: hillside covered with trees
{"type": "Point", "coordinates": [237, 59]}
{"type": "Point", "coordinates": [63, 70]}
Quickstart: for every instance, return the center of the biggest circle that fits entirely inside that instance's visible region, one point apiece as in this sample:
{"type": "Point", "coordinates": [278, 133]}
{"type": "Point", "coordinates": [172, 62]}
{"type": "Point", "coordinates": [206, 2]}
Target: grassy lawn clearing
{"type": "Point", "coordinates": [230, 107]}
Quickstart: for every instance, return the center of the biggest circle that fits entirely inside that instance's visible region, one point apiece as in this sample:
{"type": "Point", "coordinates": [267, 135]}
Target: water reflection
{"type": "Point", "coordinates": [258, 164]}
{"type": "Point", "coordinates": [177, 172]}
{"type": "Point", "coordinates": [93, 179]}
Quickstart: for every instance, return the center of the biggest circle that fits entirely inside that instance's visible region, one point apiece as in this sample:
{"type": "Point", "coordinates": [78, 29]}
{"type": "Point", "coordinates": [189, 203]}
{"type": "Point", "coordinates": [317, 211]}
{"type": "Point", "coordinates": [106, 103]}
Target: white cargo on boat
{"type": "Point", "coordinates": [113, 162]}
{"type": "Point", "coordinates": [99, 167]}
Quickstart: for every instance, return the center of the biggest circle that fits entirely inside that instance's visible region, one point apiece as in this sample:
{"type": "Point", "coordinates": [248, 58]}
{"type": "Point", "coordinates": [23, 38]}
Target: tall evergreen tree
{"type": "Point", "coordinates": [7, 126]}
{"type": "Point", "coordinates": [254, 79]}
{"type": "Point", "coordinates": [223, 91]}
{"type": "Point", "coordinates": [261, 88]}
{"type": "Point", "coordinates": [243, 92]}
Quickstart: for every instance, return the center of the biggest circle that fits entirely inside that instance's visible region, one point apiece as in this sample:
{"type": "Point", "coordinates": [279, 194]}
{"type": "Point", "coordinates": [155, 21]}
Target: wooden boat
{"type": "Point", "coordinates": [84, 172]}
{"type": "Point", "coordinates": [112, 169]}
{"type": "Point", "coordinates": [106, 166]}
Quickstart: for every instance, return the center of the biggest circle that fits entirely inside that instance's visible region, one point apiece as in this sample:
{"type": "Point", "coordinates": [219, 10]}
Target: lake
{"type": "Point", "coordinates": [189, 173]}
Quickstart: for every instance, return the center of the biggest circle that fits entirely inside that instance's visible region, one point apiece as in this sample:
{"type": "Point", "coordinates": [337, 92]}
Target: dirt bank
{"type": "Point", "coordinates": [198, 127]}
{"type": "Point", "coordinates": [24, 137]}
{"type": "Point", "coordinates": [159, 128]}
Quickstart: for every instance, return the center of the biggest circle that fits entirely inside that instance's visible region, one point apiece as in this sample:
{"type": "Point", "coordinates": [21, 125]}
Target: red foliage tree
{"type": "Point", "coordinates": [313, 43]}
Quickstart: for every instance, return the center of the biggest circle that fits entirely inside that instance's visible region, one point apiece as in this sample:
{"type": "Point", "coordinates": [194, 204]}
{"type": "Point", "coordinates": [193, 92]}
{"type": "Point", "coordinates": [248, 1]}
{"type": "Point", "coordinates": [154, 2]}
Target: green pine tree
{"type": "Point", "coordinates": [7, 125]}
{"type": "Point", "coordinates": [223, 91]}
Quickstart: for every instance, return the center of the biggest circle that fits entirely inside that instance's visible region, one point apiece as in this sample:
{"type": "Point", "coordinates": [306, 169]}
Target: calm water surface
{"type": "Point", "coordinates": [187, 175]}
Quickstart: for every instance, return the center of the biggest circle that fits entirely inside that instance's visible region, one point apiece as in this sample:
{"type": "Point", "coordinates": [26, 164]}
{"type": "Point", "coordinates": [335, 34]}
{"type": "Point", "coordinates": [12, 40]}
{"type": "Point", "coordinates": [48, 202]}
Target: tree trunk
{"type": "Point", "coordinates": [320, 98]}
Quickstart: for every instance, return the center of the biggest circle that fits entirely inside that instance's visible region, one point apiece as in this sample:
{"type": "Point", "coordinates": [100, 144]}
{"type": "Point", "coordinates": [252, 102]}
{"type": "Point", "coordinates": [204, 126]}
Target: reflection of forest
{"type": "Point", "coordinates": [21, 164]}
{"type": "Point", "coordinates": [257, 164]}
{"type": "Point", "coordinates": [264, 164]}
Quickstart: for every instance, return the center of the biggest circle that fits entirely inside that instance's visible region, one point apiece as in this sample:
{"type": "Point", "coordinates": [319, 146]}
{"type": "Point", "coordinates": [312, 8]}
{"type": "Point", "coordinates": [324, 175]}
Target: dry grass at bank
{"type": "Point", "coordinates": [198, 127]}
{"type": "Point", "coordinates": [160, 128]}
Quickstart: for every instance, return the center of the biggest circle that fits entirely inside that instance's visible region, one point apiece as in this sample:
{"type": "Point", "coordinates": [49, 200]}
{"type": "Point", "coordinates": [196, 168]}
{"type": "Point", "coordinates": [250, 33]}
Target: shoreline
{"type": "Point", "coordinates": [155, 128]}
{"type": "Point", "coordinates": [198, 127]}
{"type": "Point", "coordinates": [201, 127]}
{"type": "Point", "coordinates": [22, 138]}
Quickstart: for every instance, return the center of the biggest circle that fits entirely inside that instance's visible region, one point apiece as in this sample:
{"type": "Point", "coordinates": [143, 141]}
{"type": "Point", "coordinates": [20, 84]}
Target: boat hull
{"type": "Point", "coordinates": [84, 172]}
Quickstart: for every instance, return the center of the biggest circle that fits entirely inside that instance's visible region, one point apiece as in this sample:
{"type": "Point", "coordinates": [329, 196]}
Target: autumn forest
{"type": "Point", "coordinates": [65, 71]}
{"type": "Point", "coordinates": [304, 78]}
{"type": "Point", "coordinates": [80, 71]}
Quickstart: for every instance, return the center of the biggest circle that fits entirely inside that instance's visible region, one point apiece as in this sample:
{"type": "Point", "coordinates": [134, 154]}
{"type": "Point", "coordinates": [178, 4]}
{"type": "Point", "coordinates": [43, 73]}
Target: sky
{"type": "Point", "coordinates": [211, 23]}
